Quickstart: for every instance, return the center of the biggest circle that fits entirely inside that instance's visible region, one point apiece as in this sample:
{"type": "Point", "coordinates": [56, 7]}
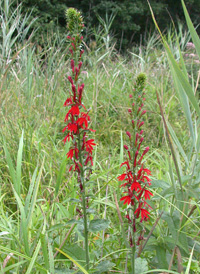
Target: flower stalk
{"type": "Point", "coordinates": [77, 118]}
{"type": "Point", "coordinates": [136, 178]}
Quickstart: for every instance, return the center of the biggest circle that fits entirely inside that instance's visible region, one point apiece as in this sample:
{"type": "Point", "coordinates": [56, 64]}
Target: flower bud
{"type": "Point", "coordinates": [70, 79]}
{"type": "Point", "coordinates": [141, 124]}
{"type": "Point", "coordinates": [128, 133]}
{"type": "Point", "coordinates": [130, 96]}
{"type": "Point", "coordinates": [129, 110]}
{"type": "Point", "coordinates": [126, 147]}
{"type": "Point", "coordinates": [71, 51]}
{"type": "Point", "coordinates": [138, 110]}
{"type": "Point", "coordinates": [146, 150]}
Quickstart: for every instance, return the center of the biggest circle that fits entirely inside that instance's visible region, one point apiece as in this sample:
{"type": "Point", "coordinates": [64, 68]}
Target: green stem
{"type": "Point", "coordinates": [133, 250]}
{"type": "Point", "coordinates": [84, 207]}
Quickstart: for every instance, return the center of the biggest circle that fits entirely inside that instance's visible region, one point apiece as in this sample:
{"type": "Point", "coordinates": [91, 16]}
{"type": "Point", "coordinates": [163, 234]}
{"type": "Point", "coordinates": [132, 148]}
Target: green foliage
{"type": "Point", "coordinates": [132, 19]}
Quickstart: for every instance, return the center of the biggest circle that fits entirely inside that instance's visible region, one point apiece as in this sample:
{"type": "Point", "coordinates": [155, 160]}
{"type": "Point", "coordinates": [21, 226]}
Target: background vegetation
{"type": "Point", "coordinates": [38, 198]}
{"type": "Point", "coordinates": [131, 24]}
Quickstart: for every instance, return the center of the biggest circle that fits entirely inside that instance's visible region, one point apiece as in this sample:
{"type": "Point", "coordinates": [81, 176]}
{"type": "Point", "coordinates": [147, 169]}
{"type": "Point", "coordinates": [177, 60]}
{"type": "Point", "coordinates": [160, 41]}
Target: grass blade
{"type": "Point", "coordinates": [19, 165]}
{"type": "Point", "coordinates": [189, 262]}
{"type": "Point", "coordinates": [35, 192]}
{"type": "Point", "coordinates": [193, 33]}
{"type": "Point", "coordinates": [8, 250]}
{"type": "Point", "coordinates": [10, 166]}
{"type": "Point", "coordinates": [176, 141]}
{"type": "Point", "coordinates": [62, 169]}
{"type": "Point", "coordinates": [23, 222]}
{"type": "Point", "coordinates": [179, 74]}
{"type": "Point", "coordinates": [30, 190]}
{"type": "Point", "coordinates": [74, 261]}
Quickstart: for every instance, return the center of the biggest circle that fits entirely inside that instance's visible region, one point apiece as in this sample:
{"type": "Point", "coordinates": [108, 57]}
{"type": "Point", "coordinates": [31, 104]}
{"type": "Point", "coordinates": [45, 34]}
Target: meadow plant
{"type": "Point", "coordinates": [77, 118]}
{"type": "Point", "coordinates": [135, 177]}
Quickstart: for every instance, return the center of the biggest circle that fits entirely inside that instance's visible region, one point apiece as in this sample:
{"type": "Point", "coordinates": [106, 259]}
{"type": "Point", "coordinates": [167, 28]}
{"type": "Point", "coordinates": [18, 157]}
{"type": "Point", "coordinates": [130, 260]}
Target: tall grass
{"type": "Point", "coordinates": [37, 194]}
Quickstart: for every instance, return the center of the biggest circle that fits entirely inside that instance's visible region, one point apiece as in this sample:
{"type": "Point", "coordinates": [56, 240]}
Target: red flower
{"type": "Point", "coordinates": [126, 199]}
{"type": "Point", "coordinates": [89, 145]}
{"type": "Point", "coordinates": [73, 111]}
{"type": "Point", "coordinates": [71, 153]}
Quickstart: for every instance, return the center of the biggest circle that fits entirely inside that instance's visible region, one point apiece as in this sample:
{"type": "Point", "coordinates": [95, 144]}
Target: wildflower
{"type": "Point", "coordinates": [135, 179]}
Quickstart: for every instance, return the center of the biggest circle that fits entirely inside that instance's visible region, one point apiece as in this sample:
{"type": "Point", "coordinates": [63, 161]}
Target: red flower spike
{"type": "Point", "coordinates": [135, 178]}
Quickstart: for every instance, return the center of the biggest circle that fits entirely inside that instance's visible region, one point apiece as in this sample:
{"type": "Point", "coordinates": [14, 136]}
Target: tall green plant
{"type": "Point", "coordinates": [184, 172]}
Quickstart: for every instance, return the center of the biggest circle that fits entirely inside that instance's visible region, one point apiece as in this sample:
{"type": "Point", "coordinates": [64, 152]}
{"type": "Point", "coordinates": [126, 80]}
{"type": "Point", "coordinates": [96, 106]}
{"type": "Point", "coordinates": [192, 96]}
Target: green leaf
{"type": "Point", "coordinates": [141, 265]}
{"type": "Point", "coordinates": [44, 250]}
{"type": "Point", "coordinates": [166, 216]}
{"type": "Point", "coordinates": [161, 256]}
{"type": "Point", "coordinates": [160, 184]}
{"type": "Point", "coordinates": [98, 225]}
{"type": "Point", "coordinates": [104, 266]}
{"type": "Point", "coordinates": [75, 251]}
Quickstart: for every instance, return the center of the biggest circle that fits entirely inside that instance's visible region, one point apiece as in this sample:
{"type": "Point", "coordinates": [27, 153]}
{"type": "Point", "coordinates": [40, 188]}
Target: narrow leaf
{"type": "Point", "coordinates": [193, 33]}
{"type": "Point", "coordinates": [19, 165]}
{"type": "Point", "coordinates": [74, 261]}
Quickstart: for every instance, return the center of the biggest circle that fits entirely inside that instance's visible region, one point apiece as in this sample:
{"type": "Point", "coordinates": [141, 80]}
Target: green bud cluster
{"type": "Point", "coordinates": [74, 21]}
{"type": "Point", "coordinates": [140, 82]}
